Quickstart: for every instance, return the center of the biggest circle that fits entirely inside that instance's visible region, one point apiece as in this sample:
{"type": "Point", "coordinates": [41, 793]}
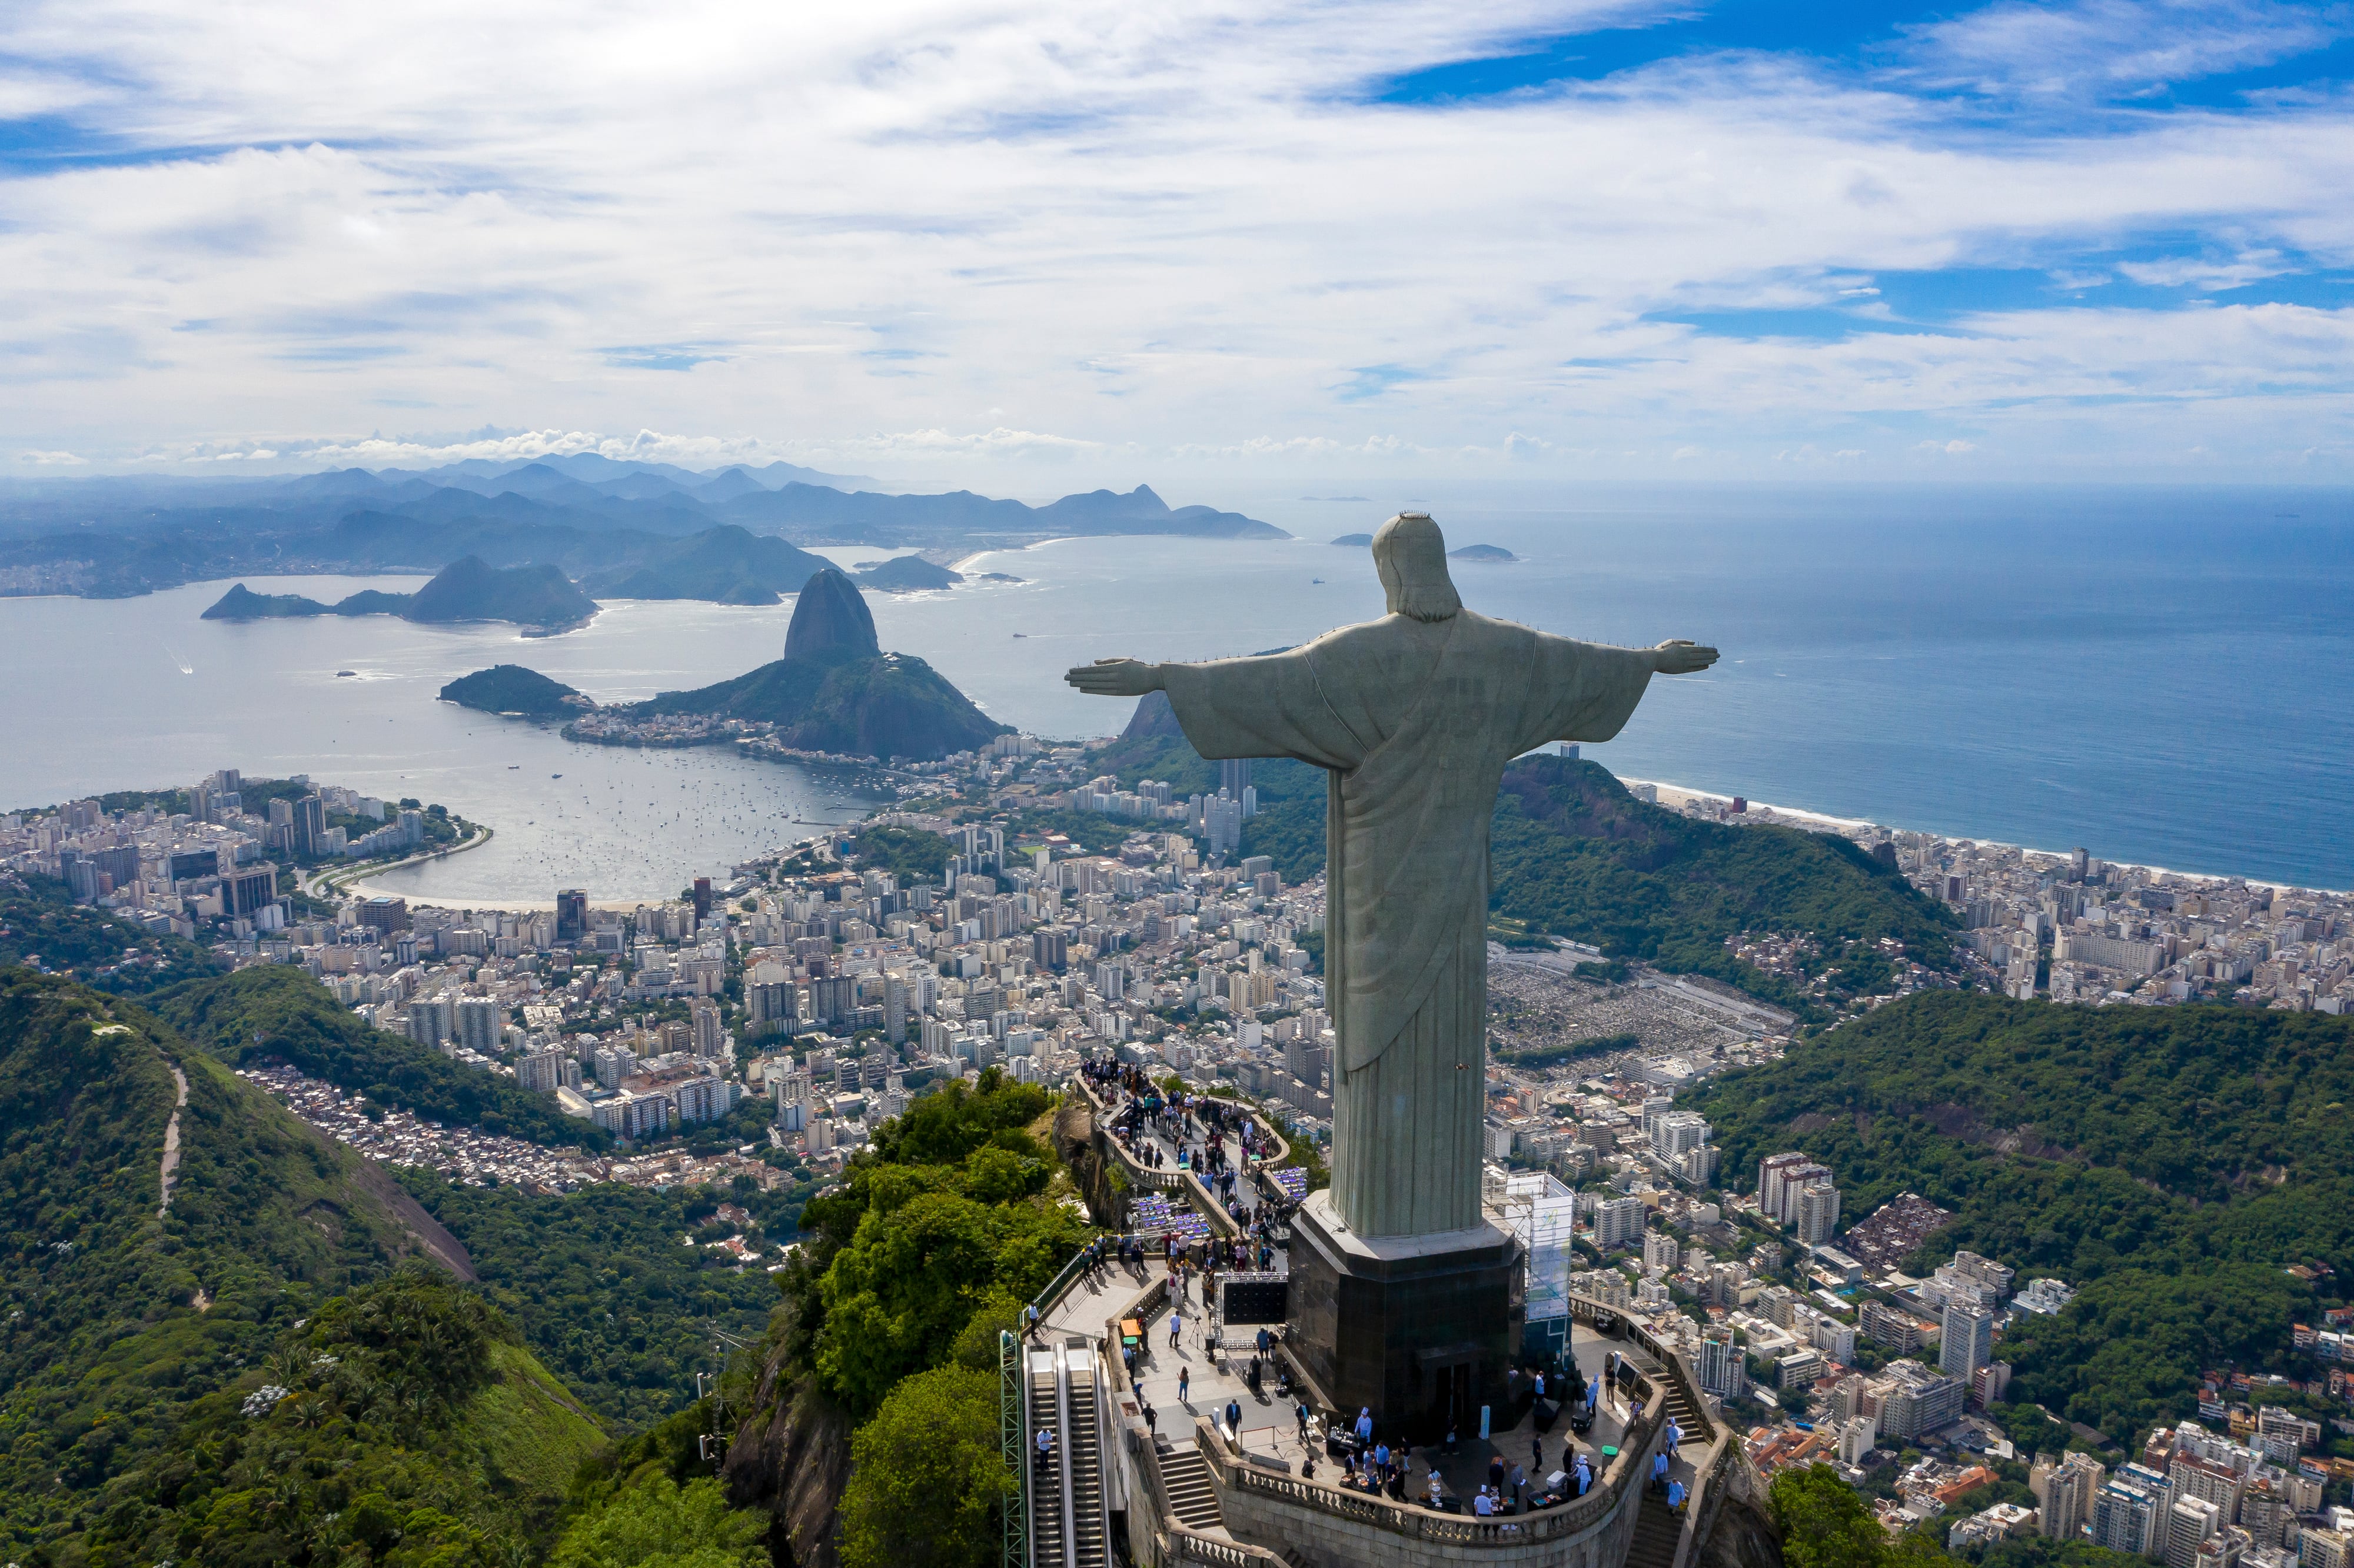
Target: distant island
{"type": "Point", "coordinates": [907, 574]}
{"type": "Point", "coordinates": [536, 596]}
{"type": "Point", "coordinates": [622, 530]}
{"type": "Point", "coordinates": [834, 692]}
{"type": "Point", "coordinates": [512, 689]}
{"type": "Point", "coordinates": [1358, 540]}
{"type": "Point", "coordinates": [1481, 553]}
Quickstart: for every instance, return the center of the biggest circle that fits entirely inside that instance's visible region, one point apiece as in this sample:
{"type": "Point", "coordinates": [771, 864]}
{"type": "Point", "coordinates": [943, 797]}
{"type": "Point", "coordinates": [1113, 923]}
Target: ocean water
{"type": "Point", "coordinates": [130, 694]}
{"type": "Point", "coordinates": [2163, 676]}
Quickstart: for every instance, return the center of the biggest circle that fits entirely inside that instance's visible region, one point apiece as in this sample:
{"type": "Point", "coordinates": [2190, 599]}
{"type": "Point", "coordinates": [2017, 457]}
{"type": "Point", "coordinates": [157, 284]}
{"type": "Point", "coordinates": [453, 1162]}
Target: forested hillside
{"type": "Point", "coordinates": [1573, 854]}
{"type": "Point", "coordinates": [2174, 1161]}
{"type": "Point", "coordinates": [610, 1285]}
{"type": "Point", "coordinates": [118, 1318]}
{"type": "Point", "coordinates": [41, 926]}
{"type": "Point", "coordinates": [279, 1011]}
{"type": "Point", "coordinates": [939, 1230]}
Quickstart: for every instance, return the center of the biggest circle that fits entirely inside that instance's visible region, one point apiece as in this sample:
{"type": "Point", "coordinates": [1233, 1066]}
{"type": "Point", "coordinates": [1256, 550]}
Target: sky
{"type": "Point", "coordinates": [1034, 242]}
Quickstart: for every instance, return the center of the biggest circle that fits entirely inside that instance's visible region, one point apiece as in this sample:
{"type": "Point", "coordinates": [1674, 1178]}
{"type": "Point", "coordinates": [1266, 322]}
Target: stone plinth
{"type": "Point", "coordinates": [1421, 1329]}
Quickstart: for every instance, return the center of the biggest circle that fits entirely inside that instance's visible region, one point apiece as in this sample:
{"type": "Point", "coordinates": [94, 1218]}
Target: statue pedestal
{"type": "Point", "coordinates": [1418, 1329]}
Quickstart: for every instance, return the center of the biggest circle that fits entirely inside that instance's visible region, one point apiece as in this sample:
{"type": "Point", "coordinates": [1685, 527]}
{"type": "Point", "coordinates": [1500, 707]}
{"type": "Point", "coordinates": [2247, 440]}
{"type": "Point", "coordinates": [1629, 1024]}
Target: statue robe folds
{"type": "Point", "coordinates": [1414, 723]}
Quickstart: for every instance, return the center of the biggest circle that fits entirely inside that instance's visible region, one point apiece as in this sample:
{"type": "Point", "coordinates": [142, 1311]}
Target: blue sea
{"type": "Point", "coordinates": [2163, 675]}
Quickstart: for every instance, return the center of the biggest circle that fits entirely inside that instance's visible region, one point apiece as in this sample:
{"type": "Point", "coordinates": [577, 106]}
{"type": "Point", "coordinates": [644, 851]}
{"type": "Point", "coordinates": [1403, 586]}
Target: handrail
{"type": "Point", "coordinates": [1190, 1546]}
{"type": "Point", "coordinates": [1617, 1482]}
{"type": "Point", "coordinates": [1585, 1308]}
{"type": "Point", "coordinates": [1142, 1307]}
{"type": "Point", "coordinates": [1707, 1498]}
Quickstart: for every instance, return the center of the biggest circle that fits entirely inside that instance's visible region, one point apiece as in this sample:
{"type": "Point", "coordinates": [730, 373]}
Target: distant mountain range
{"type": "Point", "coordinates": [537, 596]}
{"type": "Point", "coordinates": [623, 529]}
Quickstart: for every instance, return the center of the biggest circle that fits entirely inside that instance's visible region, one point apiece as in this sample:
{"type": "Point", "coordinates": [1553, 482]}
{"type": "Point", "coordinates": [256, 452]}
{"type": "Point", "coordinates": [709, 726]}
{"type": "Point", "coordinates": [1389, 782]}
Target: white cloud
{"type": "Point", "coordinates": [51, 459]}
{"type": "Point", "coordinates": [1075, 236]}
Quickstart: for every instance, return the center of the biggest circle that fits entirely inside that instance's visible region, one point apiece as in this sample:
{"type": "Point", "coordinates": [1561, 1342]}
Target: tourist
{"type": "Point", "coordinates": [1176, 1327]}
{"type": "Point", "coordinates": [1536, 1454]}
{"type": "Point", "coordinates": [1046, 1447]}
{"type": "Point", "coordinates": [1483, 1505]}
{"type": "Point", "coordinates": [1185, 1385]}
{"type": "Point", "coordinates": [1302, 1414]}
{"type": "Point", "coordinates": [1233, 1417]}
{"type": "Point", "coordinates": [1675, 1436]}
{"type": "Point", "coordinates": [1496, 1472]}
{"type": "Point", "coordinates": [1364, 1423]}
{"type": "Point", "coordinates": [1520, 1485]}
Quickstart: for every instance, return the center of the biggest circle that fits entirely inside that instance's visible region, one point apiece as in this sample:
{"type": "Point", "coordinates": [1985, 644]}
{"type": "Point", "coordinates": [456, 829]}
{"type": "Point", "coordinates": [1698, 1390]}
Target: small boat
{"type": "Point", "coordinates": [1021, 634]}
{"type": "Point", "coordinates": [341, 675]}
{"type": "Point", "coordinates": [555, 776]}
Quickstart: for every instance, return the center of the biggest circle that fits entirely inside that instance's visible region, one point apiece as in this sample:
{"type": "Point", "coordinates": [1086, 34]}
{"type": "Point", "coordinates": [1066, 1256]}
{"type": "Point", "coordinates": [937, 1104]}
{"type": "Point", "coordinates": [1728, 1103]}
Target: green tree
{"type": "Point", "coordinates": [901, 1290]}
{"type": "Point", "coordinates": [1823, 1522]}
{"type": "Point", "coordinates": [657, 1524]}
{"type": "Point", "coordinates": [929, 1482]}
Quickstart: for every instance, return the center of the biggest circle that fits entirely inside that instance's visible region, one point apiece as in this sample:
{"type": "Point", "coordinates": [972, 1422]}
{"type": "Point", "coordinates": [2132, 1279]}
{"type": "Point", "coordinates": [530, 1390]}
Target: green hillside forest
{"type": "Point", "coordinates": [1574, 855]}
{"type": "Point", "coordinates": [2173, 1162]}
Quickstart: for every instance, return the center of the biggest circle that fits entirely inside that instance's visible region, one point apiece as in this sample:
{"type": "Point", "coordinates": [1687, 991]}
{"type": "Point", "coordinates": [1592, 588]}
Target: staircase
{"type": "Point", "coordinates": [1191, 1499]}
{"type": "Point", "coordinates": [1656, 1533]}
{"type": "Point", "coordinates": [1695, 1424]}
{"type": "Point", "coordinates": [1045, 1486]}
{"type": "Point", "coordinates": [1090, 1548]}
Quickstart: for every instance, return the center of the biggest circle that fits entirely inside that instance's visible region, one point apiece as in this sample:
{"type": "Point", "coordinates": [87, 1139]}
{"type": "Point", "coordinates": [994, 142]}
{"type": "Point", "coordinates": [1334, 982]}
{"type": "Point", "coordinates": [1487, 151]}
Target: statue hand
{"type": "Point", "coordinates": [1677, 656]}
{"type": "Point", "coordinates": [1115, 678]}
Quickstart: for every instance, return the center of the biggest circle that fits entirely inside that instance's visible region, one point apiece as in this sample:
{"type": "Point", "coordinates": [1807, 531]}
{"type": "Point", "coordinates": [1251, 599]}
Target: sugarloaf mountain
{"type": "Point", "coordinates": [835, 689]}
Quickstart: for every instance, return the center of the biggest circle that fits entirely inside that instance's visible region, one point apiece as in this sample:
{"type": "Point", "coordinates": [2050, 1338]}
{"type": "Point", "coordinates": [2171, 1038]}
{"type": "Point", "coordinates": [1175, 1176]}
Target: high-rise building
{"type": "Point", "coordinates": [308, 825]}
{"type": "Point", "coordinates": [1660, 1251]}
{"type": "Point", "coordinates": [1724, 1371]}
{"type": "Point", "coordinates": [1773, 1172]}
{"type": "Point", "coordinates": [2190, 1521]}
{"type": "Point", "coordinates": [1816, 1211]}
{"type": "Point", "coordinates": [702, 898]}
{"type": "Point", "coordinates": [1968, 1341]}
{"type": "Point", "coordinates": [571, 916]}
{"type": "Point", "coordinates": [833, 1002]}
{"type": "Point", "coordinates": [2123, 1518]}
{"type": "Point", "coordinates": [2068, 1494]}
{"type": "Point", "coordinates": [1617, 1222]}
{"type": "Point", "coordinates": [480, 1022]}
{"type": "Point", "coordinates": [710, 1039]}
{"type": "Point", "coordinates": [1677, 1133]}
{"type": "Point", "coordinates": [770, 1004]}
{"type": "Point", "coordinates": [894, 1009]}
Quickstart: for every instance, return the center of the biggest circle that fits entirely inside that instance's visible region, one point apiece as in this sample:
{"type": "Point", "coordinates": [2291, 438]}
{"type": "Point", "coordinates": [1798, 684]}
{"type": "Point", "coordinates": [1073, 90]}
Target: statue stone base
{"type": "Point", "coordinates": [1420, 1329]}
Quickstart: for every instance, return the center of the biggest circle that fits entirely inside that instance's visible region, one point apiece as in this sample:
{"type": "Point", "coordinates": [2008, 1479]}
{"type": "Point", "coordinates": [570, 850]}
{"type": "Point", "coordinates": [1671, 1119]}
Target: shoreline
{"type": "Point", "coordinates": [1803, 814]}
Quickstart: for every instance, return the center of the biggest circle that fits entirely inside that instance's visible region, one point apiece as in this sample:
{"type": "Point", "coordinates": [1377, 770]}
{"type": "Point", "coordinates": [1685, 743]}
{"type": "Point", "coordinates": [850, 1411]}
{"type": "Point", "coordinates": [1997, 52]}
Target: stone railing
{"type": "Point", "coordinates": [1169, 1179]}
{"type": "Point", "coordinates": [1142, 1307]}
{"type": "Point", "coordinates": [1584, 1309]}
{"type": "Point", "coordinates": [1191, 1546]}
{"type": "Point", "coordinates": [1233, 1473]}
{"type": "Point", "coordinates": [1709, 1489]}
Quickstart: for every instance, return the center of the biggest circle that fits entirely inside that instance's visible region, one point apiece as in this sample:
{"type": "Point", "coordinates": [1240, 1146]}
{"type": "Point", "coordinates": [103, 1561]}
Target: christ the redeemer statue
{"type": "Point", "coordinates": [1412, 717]}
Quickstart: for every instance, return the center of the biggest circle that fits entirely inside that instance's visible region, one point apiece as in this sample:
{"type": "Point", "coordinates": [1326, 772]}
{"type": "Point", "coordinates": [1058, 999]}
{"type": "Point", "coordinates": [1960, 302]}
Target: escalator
{"type": "Point", "coordinates": [1063, 1394]}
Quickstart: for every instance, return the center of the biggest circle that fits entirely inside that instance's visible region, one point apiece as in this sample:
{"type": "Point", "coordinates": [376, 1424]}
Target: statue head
{"type": "Point", "coordinates": [1411, 554]}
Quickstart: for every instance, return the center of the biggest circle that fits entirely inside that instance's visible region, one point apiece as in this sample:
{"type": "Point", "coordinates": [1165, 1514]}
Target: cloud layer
{"type": "Point", "coordinates": [935, 237]}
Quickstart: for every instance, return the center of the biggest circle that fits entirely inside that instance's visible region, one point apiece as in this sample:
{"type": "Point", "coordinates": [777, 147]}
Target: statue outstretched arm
{"type": "Point", "coordinates": [1267, 705]}
{"type": "Point", "coordinates": [1678, 656]}
{"type": "Point", "coordinates": [1115, 678]}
